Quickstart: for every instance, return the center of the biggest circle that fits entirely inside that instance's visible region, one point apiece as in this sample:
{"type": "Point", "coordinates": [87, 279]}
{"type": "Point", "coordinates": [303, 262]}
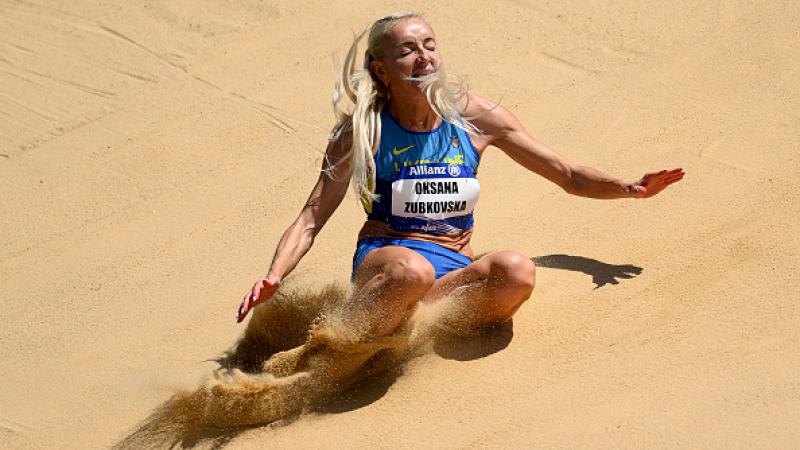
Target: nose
{"type": "Point", "coordinates": [424, 56]}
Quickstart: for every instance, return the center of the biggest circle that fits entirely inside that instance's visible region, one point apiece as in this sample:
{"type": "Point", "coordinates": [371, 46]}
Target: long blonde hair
{"type": "Point", "coordinates": [359, 98]}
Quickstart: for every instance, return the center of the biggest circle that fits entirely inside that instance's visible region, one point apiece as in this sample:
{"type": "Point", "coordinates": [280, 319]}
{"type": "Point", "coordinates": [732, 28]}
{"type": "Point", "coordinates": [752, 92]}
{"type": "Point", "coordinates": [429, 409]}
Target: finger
{"type": "Point", "coordinates": [242, 312]}
{"type": "Point", "coordinates": [668, 178]}
{"type": "Point", "coordinates": [246, 306]}
{"type": "Point", "coordinates": [669, 173]}
{"type": "Point", "coordinates": [671, 177]}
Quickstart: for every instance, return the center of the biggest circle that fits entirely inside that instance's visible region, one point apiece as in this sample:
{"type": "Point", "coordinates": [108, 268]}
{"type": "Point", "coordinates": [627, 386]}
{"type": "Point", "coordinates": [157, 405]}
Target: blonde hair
{"type": "Point", "coordinates": [359, 98]}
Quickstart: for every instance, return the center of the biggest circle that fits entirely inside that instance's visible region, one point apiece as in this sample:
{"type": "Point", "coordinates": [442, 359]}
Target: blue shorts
{"type": "Point", "coordinates": [443, 260]}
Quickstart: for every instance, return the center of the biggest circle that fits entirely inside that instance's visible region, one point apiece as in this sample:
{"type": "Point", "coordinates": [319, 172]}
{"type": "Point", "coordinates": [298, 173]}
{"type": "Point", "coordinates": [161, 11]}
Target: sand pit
{"type": "Point", "coordinates": [152, 154]}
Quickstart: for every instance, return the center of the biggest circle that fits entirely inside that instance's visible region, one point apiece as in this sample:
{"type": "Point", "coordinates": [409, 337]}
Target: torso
{"type": "Point", "coordinates": [426, 185]}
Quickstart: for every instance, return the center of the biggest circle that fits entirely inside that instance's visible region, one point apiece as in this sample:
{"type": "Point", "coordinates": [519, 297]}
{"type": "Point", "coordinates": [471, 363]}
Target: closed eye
{"type": "Point", "coordinates": [430, 44]}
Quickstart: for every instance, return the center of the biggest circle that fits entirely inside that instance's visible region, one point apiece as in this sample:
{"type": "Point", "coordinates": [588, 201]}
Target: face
{"type": "Point", "coordinates": [410, 50]}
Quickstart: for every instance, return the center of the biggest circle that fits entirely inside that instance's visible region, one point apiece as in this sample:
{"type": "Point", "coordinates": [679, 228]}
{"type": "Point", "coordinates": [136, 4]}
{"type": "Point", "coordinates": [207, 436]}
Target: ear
{"type": "Point", "coordinates": [377, 69]}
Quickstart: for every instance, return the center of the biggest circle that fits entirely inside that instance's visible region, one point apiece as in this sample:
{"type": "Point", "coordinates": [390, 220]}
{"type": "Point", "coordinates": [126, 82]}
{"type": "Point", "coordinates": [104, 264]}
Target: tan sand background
{"type": "Point", "coordinates": [151, 154]}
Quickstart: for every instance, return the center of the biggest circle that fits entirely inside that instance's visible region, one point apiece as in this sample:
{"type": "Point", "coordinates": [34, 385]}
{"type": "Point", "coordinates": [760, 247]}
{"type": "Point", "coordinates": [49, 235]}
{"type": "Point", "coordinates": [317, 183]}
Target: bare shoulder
{"type": "Point", "coordinates": [340, 141]}
{"type": "Point", "coordinates": [491, 118]}
{"type": "Point", "coordinates": [336, 162]}
{"type": "Point", "coordinates": [478, 105]}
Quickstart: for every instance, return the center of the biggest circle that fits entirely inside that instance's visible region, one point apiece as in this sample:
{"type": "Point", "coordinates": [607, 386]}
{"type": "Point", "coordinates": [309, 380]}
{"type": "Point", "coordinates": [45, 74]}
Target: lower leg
{"type": "Point", "coordinates": [388, 286]}
{"type": "Point", "coordinates": [378, 307]}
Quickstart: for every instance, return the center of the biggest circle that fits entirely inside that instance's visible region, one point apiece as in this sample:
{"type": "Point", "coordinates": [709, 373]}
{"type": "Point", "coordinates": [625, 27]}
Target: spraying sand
{"type": "Point", "coordinates": [294, 355]}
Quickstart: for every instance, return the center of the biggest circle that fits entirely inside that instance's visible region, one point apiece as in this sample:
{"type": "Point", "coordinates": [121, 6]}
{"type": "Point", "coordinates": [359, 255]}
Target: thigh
{"type": "Point", "coordinates": [488, 291]}
{"type": "Point", "coordinates": [442, 259]}
{"type": "Point", "coordinates": [389, 258]}
{"type": "Point", "coordinates": [503, 267]}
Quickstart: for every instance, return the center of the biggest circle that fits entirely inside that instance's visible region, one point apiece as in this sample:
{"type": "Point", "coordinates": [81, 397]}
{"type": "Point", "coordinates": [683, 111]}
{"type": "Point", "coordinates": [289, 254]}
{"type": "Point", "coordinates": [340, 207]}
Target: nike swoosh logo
{"type": "Point", "coordinates": [402, 150]}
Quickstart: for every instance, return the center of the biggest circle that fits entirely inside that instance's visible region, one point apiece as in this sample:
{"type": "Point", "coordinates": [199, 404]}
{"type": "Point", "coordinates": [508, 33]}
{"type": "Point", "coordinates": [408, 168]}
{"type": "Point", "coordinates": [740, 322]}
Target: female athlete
{"type": "Point", "coordinates": [410, 147]}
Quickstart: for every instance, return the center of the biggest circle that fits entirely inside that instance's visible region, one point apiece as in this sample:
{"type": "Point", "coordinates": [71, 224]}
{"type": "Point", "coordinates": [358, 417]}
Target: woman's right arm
{"type": "Point", "coordinates": [326, 196]}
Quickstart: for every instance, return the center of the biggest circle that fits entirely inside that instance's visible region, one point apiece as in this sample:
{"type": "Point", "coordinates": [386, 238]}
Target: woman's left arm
{"type": "Point", "coordinates": [504, 131]}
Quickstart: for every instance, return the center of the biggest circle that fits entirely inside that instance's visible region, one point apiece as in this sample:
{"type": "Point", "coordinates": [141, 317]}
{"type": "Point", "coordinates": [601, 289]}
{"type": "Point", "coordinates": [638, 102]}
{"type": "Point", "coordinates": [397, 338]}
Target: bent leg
{"type": "Point", "coordinates": [490, 290]}
{"type": "Point", "coordinates": [387, 286]}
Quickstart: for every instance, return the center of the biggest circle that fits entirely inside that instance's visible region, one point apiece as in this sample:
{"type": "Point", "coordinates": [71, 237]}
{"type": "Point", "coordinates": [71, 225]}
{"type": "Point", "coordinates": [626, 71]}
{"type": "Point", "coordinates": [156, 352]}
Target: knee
{"type": "Point", "coordinates": [516, 272]}
{"type": "Point", "coordinates": [410, 273]}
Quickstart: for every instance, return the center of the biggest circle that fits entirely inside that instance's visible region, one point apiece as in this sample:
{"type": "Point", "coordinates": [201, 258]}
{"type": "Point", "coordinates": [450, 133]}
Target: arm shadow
{"type": "Point", "coordinates": [601, 273]}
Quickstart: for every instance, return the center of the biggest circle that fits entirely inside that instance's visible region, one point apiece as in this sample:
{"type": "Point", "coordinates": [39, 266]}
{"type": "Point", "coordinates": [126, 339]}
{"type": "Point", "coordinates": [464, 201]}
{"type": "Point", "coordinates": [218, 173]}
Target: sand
{"type": "Point", "coordinates": [151, 154]}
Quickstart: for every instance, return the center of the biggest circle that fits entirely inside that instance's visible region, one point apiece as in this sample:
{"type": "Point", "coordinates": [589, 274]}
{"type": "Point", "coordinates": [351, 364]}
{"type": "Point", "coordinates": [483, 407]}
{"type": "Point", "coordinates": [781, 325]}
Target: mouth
{"type": "Point", "coordinates": [422, 73]}
{"type": "Point", "coordinates": [424, 77]}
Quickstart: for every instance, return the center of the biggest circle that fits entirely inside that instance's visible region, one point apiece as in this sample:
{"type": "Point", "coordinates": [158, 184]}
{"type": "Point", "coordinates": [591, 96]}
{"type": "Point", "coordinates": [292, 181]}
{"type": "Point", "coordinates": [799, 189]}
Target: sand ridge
{"type": "Point", "coordinates": [152, 154]}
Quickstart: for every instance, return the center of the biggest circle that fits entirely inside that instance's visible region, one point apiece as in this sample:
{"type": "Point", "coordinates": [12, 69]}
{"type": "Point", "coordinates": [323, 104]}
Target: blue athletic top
{"type": "Point", "coordinates": [425, 181]}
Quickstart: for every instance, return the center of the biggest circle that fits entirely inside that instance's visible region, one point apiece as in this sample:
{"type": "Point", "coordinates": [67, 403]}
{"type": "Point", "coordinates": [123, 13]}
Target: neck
{"type": "Point", "coordinates": [413, 114]}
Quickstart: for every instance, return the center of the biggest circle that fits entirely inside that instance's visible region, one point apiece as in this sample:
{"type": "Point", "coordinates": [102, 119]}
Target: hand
{"type": "Point", "coordinates": [261, 291]}
{"type": "Point", "coordinates": [655, 182]}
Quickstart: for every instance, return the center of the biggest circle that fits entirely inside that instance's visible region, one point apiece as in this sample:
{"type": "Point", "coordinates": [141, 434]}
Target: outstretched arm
{"type": "Point", "coordinates": [326, 196]}
{"type": "Point", "coordinates": [504, 131]}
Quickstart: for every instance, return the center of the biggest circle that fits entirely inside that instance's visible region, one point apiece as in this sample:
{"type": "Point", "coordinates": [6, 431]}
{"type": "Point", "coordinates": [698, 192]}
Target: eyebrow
{"type": "Point", "coordinates": [410, 43]}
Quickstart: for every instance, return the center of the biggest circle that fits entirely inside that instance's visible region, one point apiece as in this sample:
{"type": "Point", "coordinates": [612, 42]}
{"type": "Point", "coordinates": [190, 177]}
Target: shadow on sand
{"type": "Point", "coordinates": [474, 346]}
{"type": "Point", "coordinates": [447, 345]}
{"type": "Point", "coordinates": [601, 273]}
